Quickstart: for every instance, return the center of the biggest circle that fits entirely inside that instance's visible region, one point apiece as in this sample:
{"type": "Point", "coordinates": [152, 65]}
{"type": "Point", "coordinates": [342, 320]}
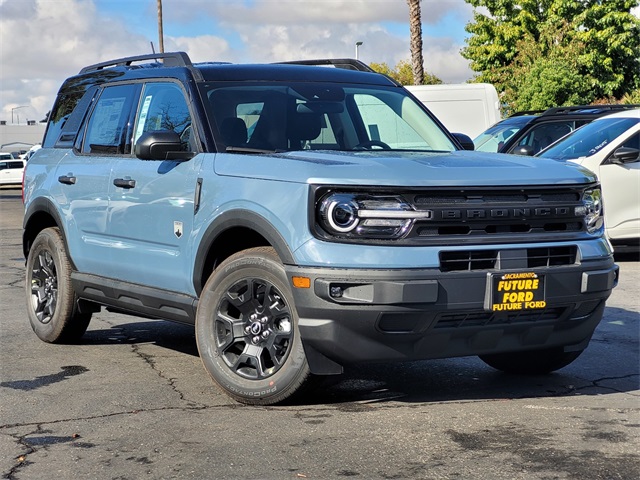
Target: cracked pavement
{"type": "Point", "coordinates": [133, 401]}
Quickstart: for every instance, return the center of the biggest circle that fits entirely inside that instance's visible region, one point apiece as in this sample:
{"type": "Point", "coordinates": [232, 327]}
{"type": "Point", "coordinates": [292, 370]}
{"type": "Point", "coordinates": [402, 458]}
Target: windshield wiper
{"type": "Point", "coordinates": [251, 150]}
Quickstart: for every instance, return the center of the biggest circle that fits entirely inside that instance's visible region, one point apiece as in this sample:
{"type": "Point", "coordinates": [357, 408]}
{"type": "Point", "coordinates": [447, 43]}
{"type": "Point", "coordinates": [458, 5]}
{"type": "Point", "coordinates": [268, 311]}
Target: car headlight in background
{"type": "Point", "coordinates": [351, 215]}
{"type": "Point", "coordinates": [592, 209]}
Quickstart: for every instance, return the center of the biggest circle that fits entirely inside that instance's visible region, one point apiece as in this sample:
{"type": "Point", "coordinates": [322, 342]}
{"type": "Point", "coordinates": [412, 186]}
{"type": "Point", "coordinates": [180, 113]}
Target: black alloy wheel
{"type": "Point", "coordinates": [52, 305]}
{"type": "Point", "coordinates": [247, 329]}
{"type": "Point", "coordinates": [253, 328]}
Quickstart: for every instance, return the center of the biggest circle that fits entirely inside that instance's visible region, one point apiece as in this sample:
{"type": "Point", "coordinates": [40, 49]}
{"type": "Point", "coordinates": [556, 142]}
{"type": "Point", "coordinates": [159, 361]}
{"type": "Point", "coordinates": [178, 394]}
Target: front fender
{"type": "Point", "coordinates": [233, 219]}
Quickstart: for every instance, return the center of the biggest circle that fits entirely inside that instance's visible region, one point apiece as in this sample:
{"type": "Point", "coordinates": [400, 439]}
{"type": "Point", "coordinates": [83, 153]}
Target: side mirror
{"type": "Point", "coordinates": [526, 150]}
{"type": "Point", "coordinates": [160, 145]}
{"type": "Point", "coordinates": [625, 155]}
{"type": "Point", "coordinates": [464, 140]}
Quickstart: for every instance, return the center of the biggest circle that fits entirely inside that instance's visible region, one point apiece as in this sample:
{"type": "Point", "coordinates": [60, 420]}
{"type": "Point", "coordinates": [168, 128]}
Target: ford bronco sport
{"type": "Point", "coordinates": [303, 218]}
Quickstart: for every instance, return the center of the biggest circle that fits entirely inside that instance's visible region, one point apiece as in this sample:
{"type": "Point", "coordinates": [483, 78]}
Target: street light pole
{"type": "Point", "coordinates": [16, 108]}
{"type": "Point", "coordinates": [357, 45]}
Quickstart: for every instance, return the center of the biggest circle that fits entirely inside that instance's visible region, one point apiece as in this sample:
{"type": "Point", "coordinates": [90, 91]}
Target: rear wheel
{"type": "Point", "coordinates": [247, 329]}
{"type": "Point", "coordinates": [52, 305]}
{"type": "Point", "coordinates": [533, 362]}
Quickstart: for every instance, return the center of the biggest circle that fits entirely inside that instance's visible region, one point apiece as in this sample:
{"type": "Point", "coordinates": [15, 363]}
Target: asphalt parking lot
{"type": "Point", "coordinates": [133, 401]}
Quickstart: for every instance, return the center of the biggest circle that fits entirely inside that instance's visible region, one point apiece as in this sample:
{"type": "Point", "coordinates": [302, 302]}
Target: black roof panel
{"type": "Point", "coordinates": [178, 65]}
{"type": "Point", "coordinates": [291, 72]}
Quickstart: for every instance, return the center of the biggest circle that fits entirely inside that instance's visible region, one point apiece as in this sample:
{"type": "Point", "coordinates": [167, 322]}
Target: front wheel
{"type": "Point", "coordinates": [52, 305]}
{"type": "Point", "coordinates": [535, 362]}
{"type": "Point", "coordinates": [247, 329]}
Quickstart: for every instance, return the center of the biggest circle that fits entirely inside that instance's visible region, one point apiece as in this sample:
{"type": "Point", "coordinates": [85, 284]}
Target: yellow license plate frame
{"type": "Point", "coordinates": [516, 291]}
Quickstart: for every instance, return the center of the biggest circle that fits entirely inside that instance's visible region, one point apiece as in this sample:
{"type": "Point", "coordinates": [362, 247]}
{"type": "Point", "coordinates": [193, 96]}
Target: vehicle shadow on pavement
{"type": "Point", "coordinates": [460, 380]}
{"type": "Point", "coordinates": [606, 367]}
{"type": "Point", "coordinates": [173, 336]}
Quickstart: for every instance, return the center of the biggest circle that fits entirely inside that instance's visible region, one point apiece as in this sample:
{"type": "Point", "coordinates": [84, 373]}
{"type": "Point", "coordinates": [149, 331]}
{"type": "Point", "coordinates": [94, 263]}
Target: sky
{"type": "Point", "coordinates": [42, 42]}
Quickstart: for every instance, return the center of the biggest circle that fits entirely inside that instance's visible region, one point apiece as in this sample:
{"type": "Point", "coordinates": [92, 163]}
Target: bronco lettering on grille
{"type": "Point", "coordinates": [504, 213]}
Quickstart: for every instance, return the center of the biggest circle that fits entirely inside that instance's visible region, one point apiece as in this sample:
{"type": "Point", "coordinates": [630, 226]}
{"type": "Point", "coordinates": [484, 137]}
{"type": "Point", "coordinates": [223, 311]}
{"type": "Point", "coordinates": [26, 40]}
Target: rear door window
{"type": "Point", "coordinates": [109, 128]}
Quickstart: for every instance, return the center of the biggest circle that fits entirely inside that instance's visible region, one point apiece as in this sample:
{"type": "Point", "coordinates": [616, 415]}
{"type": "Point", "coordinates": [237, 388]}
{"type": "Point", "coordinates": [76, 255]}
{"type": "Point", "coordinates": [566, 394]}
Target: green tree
{"type": "Point", "coordinates": [544, 53]}
{"type": "Point", "coordinates": [403, 73]}
{"type": "Point", "coordinates": [632, 97]}
{"type": "Point", "coordinates": [543, 75]}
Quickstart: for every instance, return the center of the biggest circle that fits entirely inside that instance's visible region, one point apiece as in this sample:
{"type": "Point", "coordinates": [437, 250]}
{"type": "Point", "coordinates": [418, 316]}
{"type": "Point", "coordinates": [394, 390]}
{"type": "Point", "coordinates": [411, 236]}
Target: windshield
{"type": "Point", "coordinates": [493, 139]}
{"type": "Point", "coordinates": [589, 139]}
{"type": "Point", "coordinates": [315, 116]}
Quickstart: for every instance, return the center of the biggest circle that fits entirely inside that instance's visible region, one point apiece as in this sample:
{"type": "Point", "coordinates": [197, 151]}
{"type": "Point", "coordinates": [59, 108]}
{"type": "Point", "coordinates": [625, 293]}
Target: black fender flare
{"type": "Point", "coordinates": [238, 218]}
{"type": "Point", "coordinates": [44, 205]}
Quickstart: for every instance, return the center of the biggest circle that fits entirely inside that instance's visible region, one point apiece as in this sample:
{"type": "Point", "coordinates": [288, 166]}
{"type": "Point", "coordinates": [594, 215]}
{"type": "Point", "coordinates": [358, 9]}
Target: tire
{"type": "Point", "coordinates": [247, 329]}
{"type": "Point", "coordinates": [52, 305]}
{"type": "Point", "coordinates": [535, 362]}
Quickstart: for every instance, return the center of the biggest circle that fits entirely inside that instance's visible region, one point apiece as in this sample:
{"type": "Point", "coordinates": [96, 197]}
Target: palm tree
{"type": "Point", "coordinates": [415, 26]}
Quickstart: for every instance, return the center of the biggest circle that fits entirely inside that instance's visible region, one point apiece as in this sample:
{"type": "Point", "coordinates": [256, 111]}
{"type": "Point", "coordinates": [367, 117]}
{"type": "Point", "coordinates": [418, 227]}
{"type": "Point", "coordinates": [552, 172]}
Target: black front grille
{"type": "Point", "coordinates": [506, 196]}
{"type": "Point", "coordinates": [551, 256]}
{"type": "Point", "coordinates": [479, 319]}
{"type": "Point", "coordinates": [471, 260]}
{"type": "Point", "coordinates": [496, 229]}
{"type": "Point", "coordinates": [485, 214]}
{"type": "Point", "coordinates": [468, 260]}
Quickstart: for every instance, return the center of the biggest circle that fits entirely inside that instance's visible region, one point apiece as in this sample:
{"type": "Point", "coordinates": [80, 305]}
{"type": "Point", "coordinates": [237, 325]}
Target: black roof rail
{"type": "Point", "coordinates": [170, 59]}
{"type": "Point", "coordinates": [580, 108]}
{"type": "Point", "coordinates": [346, 63]}
{"type": "Point", "coordinates": [526, 112]}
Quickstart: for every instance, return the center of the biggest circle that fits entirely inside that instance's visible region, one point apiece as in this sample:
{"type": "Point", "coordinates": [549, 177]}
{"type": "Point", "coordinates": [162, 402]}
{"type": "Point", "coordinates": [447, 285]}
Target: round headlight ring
{"type": "Point", "coordinates": [341, 213]}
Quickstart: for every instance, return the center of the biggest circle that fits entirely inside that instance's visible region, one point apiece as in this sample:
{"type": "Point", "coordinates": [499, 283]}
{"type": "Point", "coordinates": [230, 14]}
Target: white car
{"type": "Point", "coordinates": [11, 170]}
{"type": "Point", "coordinates": [610, 147]}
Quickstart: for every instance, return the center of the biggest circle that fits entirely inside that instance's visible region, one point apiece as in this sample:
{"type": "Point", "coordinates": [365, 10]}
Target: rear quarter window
{"type": "Point", "coordinates": [64, 106]}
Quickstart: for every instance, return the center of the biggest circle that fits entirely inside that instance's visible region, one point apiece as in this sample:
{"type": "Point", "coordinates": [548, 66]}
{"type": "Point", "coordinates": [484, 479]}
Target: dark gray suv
{"type": "Point", "coordinates": [527, 133]}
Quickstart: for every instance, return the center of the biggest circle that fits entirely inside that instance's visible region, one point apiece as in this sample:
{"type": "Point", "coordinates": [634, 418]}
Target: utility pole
{"type": "Point", "coordinates": [160, 32]}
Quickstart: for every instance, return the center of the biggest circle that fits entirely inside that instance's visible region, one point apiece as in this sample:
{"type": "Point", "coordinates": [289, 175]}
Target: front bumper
{"type": "Point", "coordinates": [355, 315]}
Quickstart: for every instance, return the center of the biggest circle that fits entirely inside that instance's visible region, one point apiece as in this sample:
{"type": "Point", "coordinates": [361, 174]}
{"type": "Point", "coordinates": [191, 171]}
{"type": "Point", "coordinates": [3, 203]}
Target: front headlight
{"type": "Point", "coordinates": [349, 215]}
{"type": "Point", "coordinates": [592, 209]}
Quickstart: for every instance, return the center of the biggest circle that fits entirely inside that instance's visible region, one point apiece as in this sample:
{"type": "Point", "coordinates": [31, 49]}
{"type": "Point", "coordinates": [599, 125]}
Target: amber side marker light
{"type": "Point", "coordinates": [301, 282]}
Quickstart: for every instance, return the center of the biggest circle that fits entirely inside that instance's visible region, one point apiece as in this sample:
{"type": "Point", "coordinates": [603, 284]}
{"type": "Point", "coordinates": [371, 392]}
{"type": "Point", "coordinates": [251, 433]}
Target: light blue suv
{"type": "Point", "coordinates": [303, 217]}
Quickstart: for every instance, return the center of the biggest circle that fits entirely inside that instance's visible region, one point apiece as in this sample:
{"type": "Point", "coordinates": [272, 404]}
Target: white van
{"type": "Point", "coordinates": [468, 108]}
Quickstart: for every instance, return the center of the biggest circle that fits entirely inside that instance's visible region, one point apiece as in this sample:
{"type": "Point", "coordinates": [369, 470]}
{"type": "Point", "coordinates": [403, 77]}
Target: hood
{"type": "Point", "coordinates": [419, 169]}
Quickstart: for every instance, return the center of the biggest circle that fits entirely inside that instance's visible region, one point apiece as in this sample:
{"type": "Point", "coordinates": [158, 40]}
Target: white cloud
{"type": "Point", "coordinates": [204, 48]}
{"type": "Point", "coordinates": [446, 63]}
{"type": "Point", "coordinates": [42, 42]}
{"type": "Point", "coordinates": [278, 42]}
{"type": "Point", "coordinates": [309, 12]}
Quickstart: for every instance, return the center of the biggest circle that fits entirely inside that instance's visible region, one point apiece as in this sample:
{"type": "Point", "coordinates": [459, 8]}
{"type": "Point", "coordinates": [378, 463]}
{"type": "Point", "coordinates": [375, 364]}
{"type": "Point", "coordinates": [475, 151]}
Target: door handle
{"type": "Point", "coordinates": [124, 182]}
{"type": "Point", "coordinates": [67, 179]}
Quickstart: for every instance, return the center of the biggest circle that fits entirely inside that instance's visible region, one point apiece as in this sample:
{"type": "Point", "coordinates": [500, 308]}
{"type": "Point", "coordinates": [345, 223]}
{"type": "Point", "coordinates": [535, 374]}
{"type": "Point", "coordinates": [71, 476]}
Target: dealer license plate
{"type": "Point", "coordinates": [516, 291]}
